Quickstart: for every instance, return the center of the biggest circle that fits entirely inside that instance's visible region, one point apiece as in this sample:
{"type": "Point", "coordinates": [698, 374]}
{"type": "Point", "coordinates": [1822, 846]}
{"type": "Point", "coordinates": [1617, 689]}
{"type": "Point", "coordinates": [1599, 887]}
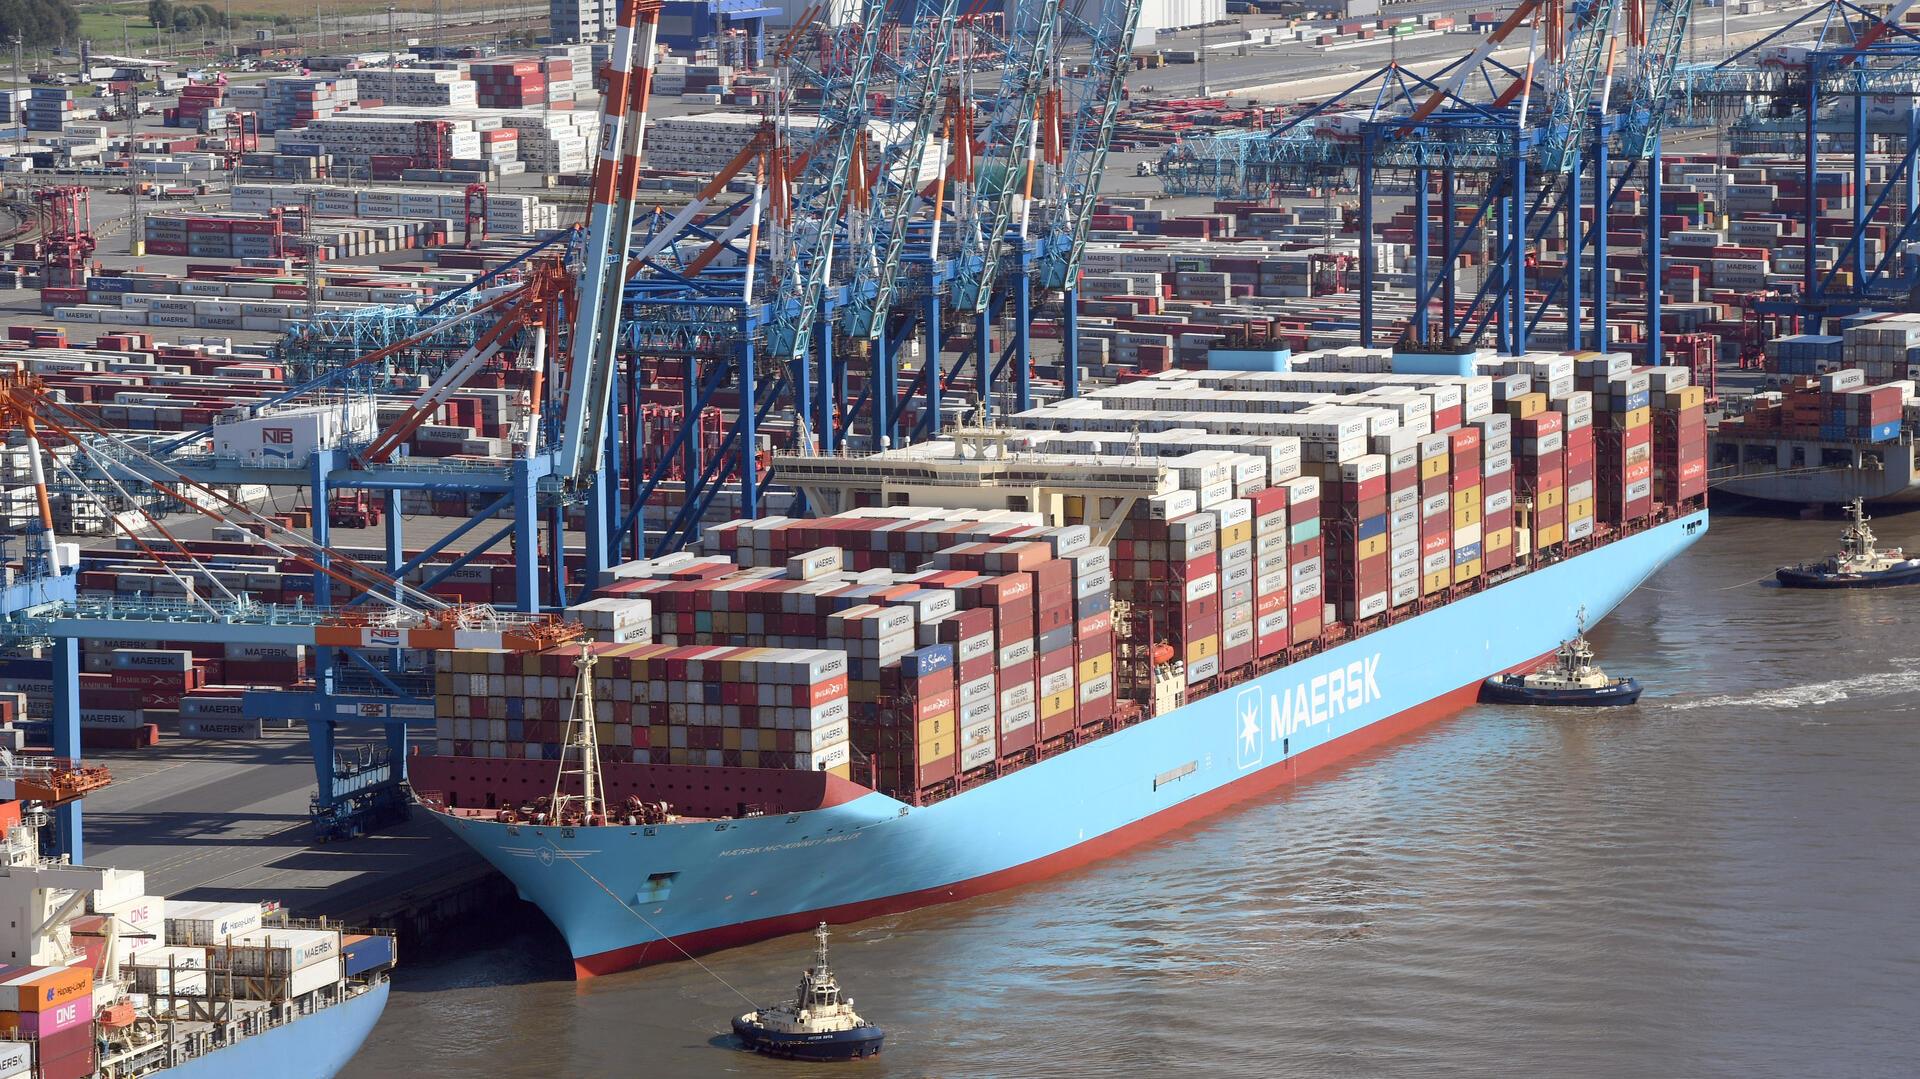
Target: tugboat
{"type": "Point", "coordinates": [1573, 680]}
{"type": "Point", "coordinates": [819, 1024]}
{"type": "Point", "coordinates": [1858, 565]}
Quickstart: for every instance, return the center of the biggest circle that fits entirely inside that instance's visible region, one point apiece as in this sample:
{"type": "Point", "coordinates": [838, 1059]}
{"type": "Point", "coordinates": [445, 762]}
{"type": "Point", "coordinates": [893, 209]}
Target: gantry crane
{"type": "Point", "coordinates": [382, 615]}
{"type": "Point", "coordinates": [1078, 126]}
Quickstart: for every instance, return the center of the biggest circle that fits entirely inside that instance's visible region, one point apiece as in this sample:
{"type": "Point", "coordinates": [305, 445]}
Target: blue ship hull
{"type": "Point", "coordinates": [316, 1046]}
{"type": "Point", "coordinates": [624, 897]}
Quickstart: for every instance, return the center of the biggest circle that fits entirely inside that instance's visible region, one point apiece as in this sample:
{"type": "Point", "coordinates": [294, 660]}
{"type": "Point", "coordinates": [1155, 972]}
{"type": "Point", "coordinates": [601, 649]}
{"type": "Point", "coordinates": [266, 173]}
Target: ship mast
{"type": "Point", "coordinates": [1858, 540]}
{"type": "Point", "coordinates": [581, 738]}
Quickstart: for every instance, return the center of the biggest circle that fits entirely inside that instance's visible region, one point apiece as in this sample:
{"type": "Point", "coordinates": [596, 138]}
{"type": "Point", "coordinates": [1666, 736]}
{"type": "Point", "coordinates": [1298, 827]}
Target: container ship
{"type": "Point", "coordinates": [101, 979]}
{"type": "Point", "coordinates": [1016, 649]}
{"type": "Point", "coordinates": [1839, 423]}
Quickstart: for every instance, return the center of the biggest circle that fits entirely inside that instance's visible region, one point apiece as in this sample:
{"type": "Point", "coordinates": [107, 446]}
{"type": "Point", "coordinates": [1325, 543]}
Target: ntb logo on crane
{"type": "Point", "coordinates": [276, 436]}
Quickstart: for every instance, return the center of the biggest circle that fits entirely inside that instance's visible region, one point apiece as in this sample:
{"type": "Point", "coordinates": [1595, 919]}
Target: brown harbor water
{"type": "Point", "coordinates": [1721, 881]}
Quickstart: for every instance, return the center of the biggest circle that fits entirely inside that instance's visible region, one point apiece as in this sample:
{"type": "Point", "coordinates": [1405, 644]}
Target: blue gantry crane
{"type": "Point", "coordinates": [811, 244]}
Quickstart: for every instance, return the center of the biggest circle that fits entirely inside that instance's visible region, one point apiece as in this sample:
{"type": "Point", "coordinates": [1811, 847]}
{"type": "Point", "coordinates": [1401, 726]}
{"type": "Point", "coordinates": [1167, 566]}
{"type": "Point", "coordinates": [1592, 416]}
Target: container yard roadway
{"type": "Point", "coordinates": [1244, 70]}
{"type": "Point", "coordinates": [228, 821]}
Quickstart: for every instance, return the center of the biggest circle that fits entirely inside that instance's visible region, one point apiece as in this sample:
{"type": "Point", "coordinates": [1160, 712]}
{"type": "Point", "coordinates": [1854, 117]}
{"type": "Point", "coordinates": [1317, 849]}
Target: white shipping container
{"type": "Point", "coordinates": [209, 923]}
{"type": "Point", "coordinates": [277, 951]}
{"type": "Point", "coordinates": [314, 977]}
{"type": "Point", "coordinates": [161, 981]}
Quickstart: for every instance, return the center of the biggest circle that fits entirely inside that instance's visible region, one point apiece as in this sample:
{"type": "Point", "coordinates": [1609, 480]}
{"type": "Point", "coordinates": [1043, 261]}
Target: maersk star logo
{"type": "Point", "coordinates": [1250, 744]}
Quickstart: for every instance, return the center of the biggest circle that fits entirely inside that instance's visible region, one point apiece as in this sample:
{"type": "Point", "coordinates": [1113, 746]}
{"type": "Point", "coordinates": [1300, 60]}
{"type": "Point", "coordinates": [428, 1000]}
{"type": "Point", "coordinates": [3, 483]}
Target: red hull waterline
{"type": "Point", "coordinates": [1120, 839]}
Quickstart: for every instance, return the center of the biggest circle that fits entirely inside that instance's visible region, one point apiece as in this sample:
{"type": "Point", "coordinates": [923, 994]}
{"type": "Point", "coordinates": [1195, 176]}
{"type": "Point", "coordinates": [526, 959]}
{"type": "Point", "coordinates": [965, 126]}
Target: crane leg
{"type": "Point", "coordinates": [66, 741]}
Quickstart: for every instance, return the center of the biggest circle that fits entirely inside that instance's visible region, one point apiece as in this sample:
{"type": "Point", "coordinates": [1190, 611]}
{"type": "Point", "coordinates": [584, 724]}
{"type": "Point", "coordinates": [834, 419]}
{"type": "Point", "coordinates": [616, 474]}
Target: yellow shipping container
{"type": "Point", "coordinates": [1467, 496]}
{"type": "Point", "coordinates": [1638, 417]}
{"type": "Point", "coordinates": [1435, 582]}
{"type": "Point", "coordinates": [939, 726]}
{"type": "Point", "coordinates": [1373, 546]}
{"type": "Point", "coordinates": [1550, 535]}
{"type": "Point", "coordinates": [1690, 397]}
{"type": "Point", "coordinates": [1466, 571]}
{"type": "Point", "coordinates": [1095, 667]}
{"type": "Point", "coordinates": [1497, 540]}
{"type": "Point", "coordinates": [1582, 508]}
{"type": "Point", "coordinates": [1234, 535]}
{"type": "Point", "coordinates": [1435, 467]}
{"type": "Point", "coordinates": [1202, 648]}
{"type": "Point", "coordinates": [844, 771]}
{"type": "Point", "coordinates": [1466, 517]}
{"type": "Point", "coordinates": [1056, 703]}
{"type": "Point", "coordinates": [1548, 498]}
{"type": "Point", "coordinates": [936, 749]}
{"type": "Point", "coordinates": [730, 738]}
{"type": "Point", "coordinates": [1526, 406]}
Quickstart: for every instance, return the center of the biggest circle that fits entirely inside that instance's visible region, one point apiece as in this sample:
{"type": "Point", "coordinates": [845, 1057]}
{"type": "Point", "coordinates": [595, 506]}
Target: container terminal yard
{"type": "Point", "coordinates": [699, 476]}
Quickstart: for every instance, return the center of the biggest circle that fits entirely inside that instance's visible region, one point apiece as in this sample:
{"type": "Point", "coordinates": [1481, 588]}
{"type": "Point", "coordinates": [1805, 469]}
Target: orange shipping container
{"type": "Point", "coordinates": [53, 987]}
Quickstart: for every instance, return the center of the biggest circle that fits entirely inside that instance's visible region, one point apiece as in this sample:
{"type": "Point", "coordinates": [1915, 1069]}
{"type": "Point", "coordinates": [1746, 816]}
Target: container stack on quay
{"type": "Point", "coordinates": [707, 141]}
{"type": "Point", "coordinates": [131, 693]}
{"type": "Point", "coordinates": [258, 293]}
{"type": "Point", "coordinates": [295, 100]}
{"type": "Point", "coordinates": [506, 212]}
{"type": "Point", "coordinates": [416, 87]}
{"type": "Point", "coordinates": [197, 101]}
{"type": "Point", "coordinates": [513, 84]}
{"type": "Point", "coordinates": [49, 108]}
{"type": "Point", "coordinates": [352, 137]}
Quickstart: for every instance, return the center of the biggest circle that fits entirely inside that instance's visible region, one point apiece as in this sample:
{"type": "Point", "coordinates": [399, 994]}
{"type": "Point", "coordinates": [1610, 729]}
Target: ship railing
{"type": "Point", "coordinates": [326, 923]}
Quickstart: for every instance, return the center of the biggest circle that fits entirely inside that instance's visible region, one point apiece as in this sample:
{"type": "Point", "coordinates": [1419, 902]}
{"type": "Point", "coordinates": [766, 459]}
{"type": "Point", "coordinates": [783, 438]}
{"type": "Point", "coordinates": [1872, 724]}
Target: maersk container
{"type": "Point", "coordinates": [277, 951]}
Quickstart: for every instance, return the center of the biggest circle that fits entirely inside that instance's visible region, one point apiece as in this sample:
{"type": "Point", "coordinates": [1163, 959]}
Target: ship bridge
{"type": "Point", "coordinates": [984, 468]}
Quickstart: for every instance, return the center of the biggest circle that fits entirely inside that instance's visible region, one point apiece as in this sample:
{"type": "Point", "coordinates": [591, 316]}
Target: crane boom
{"type": "Point", "coordinates": [1088, 107]}
{"type": "Point", "coordinates": [1029, 53]}
{"type": "Point", "coordinates": [609, 234]}
{"type": "Point", "coordinates": [920, 71]}
{"type": "Point", "coordinates": [1652, 63]}
{"type": "Point", "coordinates": [807, 237]}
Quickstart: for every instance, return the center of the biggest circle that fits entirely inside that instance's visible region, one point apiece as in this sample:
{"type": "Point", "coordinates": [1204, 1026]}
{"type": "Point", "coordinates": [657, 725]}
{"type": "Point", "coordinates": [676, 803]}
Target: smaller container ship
{"type": "Point", "coordinates": [1858, 564]}
{"type": "Point", "coordinates": [819, 1023]}
{"type": "Point", "coordinates": [99, 978]}
{"type": "Point", "coordinates": [1821, 440]}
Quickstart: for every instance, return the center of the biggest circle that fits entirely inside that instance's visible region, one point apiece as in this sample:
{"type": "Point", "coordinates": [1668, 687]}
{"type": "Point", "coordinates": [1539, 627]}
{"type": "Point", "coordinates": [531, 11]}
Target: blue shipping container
{"type": "Point", "coordinates": [929, 660]}
{"type": "Point", "coordinates": [366, 953]}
